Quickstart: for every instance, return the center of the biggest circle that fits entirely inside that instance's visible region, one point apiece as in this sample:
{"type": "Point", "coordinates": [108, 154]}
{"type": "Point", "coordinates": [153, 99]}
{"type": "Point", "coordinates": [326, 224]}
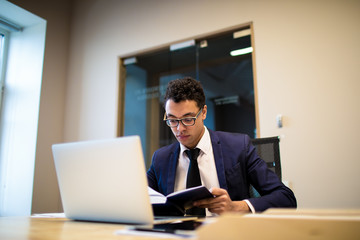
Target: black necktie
{"type": "Point", "coordinates": [193, 179]}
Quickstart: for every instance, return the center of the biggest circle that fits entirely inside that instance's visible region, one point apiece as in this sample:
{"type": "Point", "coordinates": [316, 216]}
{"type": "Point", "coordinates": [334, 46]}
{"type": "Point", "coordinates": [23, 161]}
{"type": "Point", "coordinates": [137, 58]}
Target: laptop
{"type": "Point", "coordinates": [104, 181]}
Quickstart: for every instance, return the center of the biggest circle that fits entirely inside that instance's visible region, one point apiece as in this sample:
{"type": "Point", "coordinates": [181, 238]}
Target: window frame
{"type": "Point", "coordinates": [4, 47]}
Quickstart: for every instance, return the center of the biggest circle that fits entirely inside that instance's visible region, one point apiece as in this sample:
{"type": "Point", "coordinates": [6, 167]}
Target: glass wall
{"type": "Point", "coordinates": [227, 80]}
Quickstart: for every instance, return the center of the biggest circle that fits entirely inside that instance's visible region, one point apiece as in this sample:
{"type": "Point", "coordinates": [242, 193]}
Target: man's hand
{"type": "Point", "coordinates": [222, 203]}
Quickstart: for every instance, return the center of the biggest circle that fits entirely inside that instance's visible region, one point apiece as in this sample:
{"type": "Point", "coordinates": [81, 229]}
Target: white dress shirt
{"type": "Point", "coordinates": [206, 163]}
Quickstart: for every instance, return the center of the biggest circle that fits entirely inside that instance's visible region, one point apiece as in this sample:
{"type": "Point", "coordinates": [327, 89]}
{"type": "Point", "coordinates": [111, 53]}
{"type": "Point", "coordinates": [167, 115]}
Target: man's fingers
{"type": "Point", "coordinates": [219, 204]}
{"type": "Point", "coordinates": [218, 191]}
{"type": "Point", "coordinates": [209, 202]}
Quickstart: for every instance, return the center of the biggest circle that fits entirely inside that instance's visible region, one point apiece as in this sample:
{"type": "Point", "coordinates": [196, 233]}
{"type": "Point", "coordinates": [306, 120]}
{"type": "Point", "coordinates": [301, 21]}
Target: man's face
{"type": "Point", "coordinates": [189, 136]}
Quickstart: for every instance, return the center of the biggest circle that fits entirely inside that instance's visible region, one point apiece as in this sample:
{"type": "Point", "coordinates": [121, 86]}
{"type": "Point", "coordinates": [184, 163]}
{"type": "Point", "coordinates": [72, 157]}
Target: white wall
{"type": "Point", "coordinates": [310, 75]}
{"type": "Point", "coordinates": [307, 57]}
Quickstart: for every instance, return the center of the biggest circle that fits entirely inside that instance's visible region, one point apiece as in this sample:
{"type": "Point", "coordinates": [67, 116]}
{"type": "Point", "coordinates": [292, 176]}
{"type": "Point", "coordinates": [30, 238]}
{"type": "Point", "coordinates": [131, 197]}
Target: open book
{"type": "Point", "coordinates": [176, 203]}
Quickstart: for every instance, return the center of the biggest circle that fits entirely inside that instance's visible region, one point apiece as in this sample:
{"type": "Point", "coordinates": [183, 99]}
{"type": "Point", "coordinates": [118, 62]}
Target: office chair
{"type": "Point", "coordinates": [268, 149]}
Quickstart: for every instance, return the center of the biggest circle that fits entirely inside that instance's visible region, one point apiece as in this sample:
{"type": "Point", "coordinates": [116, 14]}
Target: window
{"type": "Point", "coordinates": [22, 68]}
{"type": "Point", "coordinates": [222, 62]}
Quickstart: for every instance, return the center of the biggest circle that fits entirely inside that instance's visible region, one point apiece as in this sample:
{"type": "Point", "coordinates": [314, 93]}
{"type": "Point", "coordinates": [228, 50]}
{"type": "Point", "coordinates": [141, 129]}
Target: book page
{"type": "Point", "coordinates": [156, 197]}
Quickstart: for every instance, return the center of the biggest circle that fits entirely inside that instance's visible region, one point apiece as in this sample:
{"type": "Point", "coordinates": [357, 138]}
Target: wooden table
{"type": "Point", "coordinates": [273, 224]}
{"type": "Point", "coordinates": [22, 228]}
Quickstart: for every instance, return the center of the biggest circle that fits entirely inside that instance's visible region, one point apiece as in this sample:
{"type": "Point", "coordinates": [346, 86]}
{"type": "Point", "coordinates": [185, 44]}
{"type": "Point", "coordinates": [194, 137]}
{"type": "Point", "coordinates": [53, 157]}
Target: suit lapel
{"type": "Point", "coordinates": [174, 158]}
{"type": "Point", "coordinates": [219, 160]}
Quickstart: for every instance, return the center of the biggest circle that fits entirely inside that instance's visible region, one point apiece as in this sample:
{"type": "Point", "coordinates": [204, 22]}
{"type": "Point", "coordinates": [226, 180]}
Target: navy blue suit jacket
{"type": "Point", "coordinates": [237, 166]}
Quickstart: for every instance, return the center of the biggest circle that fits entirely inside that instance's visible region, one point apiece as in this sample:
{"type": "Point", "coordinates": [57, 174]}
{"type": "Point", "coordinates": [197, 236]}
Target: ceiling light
{"type": "Point", "coordinates": [182, 45]}
{"type": "Point", "coordinates": [131, 60]}
{"type": "Point", "coordinates": [241, 51]}
{"type": "Point", "coordinates": [242, 33]}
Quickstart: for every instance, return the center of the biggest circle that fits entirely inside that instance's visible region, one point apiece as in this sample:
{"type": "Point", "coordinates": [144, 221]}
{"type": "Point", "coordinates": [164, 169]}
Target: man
{"type": "Point", "coordinates": [227, 162]}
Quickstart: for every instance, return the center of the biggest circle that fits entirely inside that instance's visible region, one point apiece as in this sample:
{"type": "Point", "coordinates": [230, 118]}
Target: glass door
{"type": "Point", "coordinates": [227, 78]}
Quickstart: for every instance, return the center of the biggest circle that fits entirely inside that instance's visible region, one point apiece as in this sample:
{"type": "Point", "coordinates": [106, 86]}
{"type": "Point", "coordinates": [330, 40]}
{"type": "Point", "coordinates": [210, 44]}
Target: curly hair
{"type": "Point", "coordinates": [186, 88]}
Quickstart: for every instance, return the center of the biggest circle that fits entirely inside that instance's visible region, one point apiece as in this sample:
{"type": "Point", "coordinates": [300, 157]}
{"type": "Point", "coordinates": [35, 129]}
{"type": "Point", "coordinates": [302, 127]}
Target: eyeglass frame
{"type": "Point", "coordinates": [178, 120]}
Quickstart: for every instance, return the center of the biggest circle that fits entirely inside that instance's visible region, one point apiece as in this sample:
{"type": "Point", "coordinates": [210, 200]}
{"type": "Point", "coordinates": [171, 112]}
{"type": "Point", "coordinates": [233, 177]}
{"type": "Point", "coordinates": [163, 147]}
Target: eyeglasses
{"type": "Point", "coordinates": [187, 121]}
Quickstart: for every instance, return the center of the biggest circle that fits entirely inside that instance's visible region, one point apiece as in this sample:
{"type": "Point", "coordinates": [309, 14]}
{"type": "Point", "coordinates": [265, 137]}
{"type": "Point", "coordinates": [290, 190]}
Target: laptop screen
{"type": "Point", "coordinates": [103, 180]}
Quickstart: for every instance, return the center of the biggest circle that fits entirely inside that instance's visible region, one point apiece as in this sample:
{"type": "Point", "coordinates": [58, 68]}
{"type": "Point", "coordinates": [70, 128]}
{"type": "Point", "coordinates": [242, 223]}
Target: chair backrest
{"type": "Point", "coordinates": [268, 149]}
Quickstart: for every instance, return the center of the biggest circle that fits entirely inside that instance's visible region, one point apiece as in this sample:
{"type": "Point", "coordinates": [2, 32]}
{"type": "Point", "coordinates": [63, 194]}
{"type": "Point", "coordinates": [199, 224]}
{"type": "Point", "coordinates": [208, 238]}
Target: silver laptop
{"type": "Point", "coordinates": [104, 180]}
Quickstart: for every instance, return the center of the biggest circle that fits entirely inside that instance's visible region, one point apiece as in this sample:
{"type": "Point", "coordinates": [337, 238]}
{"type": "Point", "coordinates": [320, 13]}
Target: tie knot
{"type": "Point", "coordinates": [193, 153]}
